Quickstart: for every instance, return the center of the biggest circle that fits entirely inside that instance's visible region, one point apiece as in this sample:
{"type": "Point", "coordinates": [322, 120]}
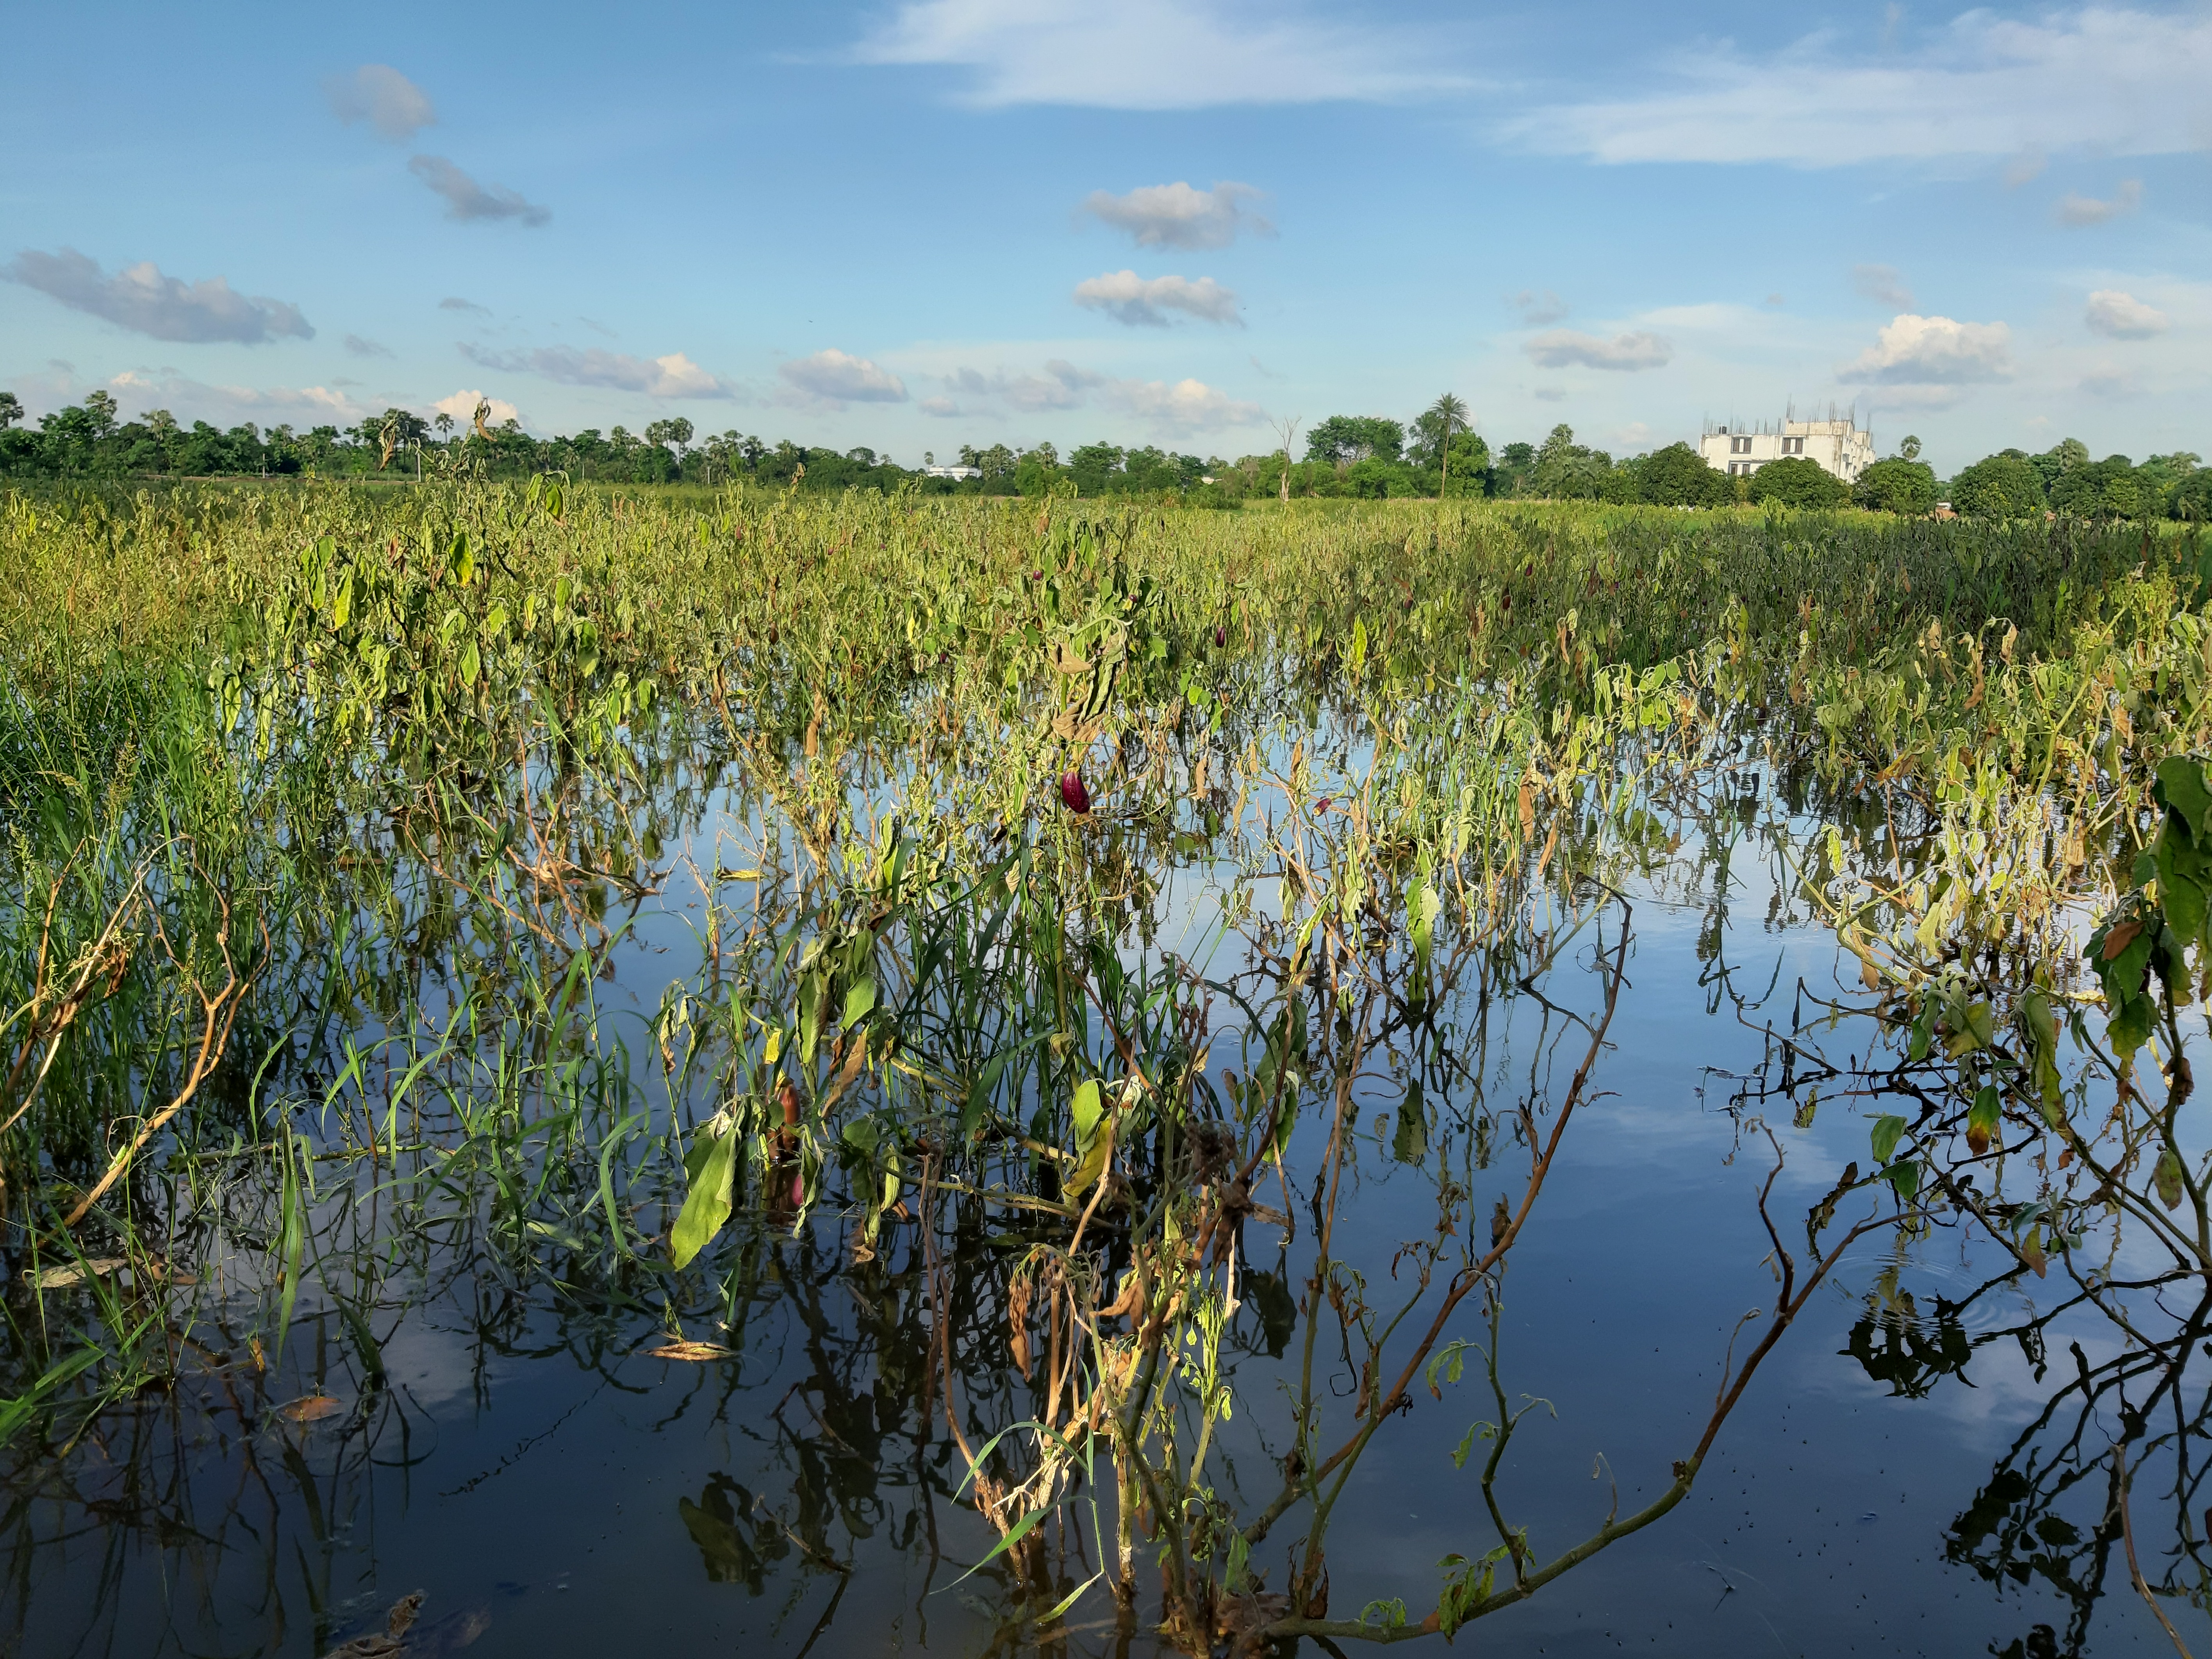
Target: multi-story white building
{"type": "Point", "coordinates": [1839, 444]}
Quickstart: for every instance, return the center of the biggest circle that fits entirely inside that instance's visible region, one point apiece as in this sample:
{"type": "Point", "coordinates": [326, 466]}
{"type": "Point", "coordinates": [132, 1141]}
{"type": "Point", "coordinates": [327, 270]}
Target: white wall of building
{"type": "Point", "coordinates": [1838, 448]}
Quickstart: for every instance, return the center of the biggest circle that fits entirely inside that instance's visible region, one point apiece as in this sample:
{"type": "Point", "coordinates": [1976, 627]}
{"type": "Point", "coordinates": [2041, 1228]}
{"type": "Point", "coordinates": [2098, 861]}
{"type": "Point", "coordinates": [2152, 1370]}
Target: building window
{"type": "Point", "coordinates": [1793, 445]}
{"type": "Point", "coordinates": [1739, 445]}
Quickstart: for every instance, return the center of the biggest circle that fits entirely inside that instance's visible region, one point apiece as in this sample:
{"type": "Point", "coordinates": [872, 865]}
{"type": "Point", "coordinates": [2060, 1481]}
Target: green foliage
{"type": "Point", "coordinates": [1678, 476]}
{"type": "Point", "coordinates": [2002, 486]}
{"type": "Point", "coordinates": [1342, 439]}
{"type": "Point", "coordinates": [1796, 482]}
{"type": "Point", "coordinates": [1896, 485]}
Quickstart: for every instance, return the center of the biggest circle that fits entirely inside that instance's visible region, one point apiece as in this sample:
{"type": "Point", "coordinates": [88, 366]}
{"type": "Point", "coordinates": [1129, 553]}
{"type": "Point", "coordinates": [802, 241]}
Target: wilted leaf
{"type": "Point", "coordinates": [2168, 1178]}
{"type": "Point", "coordinates": [75, 1273]}
{"type": "Point", "coordinates": [680, 1347]}
{"type": "Point", "coordinates": [2121, 937]}
{"type": "Point", "coordinates": [310, 1408]}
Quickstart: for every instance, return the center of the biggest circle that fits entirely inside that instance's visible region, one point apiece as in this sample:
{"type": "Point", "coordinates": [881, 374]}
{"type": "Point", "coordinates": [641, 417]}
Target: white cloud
{"type": "Point", "coordinates": [832, 379]}
{"type": "Point", "coordinates": [1179, 406]}
{"type": "Point", "coordinates": [1063, 385]}
{"type": "Point", "coordinates": [462, 406]}
{"type": "Point", "coordinates": [380, 95]}
{"type": "Point", "coordinates": [2110, 382]}
{"type": "Point", "coordinates": [454, 302]}
{"type": "Point", "coordinates": [140, 390]}
{"type": "Point", "coordinates": [140, 298]}
{"type": "Point", "coordinates": [674, 376]}
{"type": "Point", "coordinates": [2118, 80]}
{"type": "Point", "coordinates": [1883, 284]}
{"type": "Point", "coordinates": [1155, 54]}
{"type": "Point", "coordinates": [1538, 307]}
{"type": "Point", "coordinates": [2123, 317]}
{"type": "Point", "coordinates": [1627, 353]}
{"type": "Point", "coordinates": [1185, 406]}
{"type": "Point", "coordinates": [1176, 215]}
{"type": "Point", "coordinates": [1142, 301]}
{"type": "Point", "coordinates": [359, 347]}
{"type": "Point", "coordinates": [467, 200]}
{"type": "Point", "coordinates": [942, 408]}
{"type": "Point", "coordinates": [1637, 435]}
{"type": "Point", "coordinates": [2080, 210]}
{"type": "Point", "coordinates": [1932, 351]}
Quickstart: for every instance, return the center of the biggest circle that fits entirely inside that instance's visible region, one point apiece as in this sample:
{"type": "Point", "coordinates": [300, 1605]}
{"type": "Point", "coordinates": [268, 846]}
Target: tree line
{"type": "Point", "coordinates": [1344, 456]}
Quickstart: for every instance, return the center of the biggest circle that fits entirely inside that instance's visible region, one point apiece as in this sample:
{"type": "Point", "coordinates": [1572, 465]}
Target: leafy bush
{"type": "Point", "coordinates": [1796, 482]}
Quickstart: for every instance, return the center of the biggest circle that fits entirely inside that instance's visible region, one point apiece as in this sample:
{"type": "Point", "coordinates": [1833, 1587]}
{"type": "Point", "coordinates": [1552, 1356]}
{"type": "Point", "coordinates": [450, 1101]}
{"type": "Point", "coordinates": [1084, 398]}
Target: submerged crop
{"type": "Point", "coordinates": [602, 925]}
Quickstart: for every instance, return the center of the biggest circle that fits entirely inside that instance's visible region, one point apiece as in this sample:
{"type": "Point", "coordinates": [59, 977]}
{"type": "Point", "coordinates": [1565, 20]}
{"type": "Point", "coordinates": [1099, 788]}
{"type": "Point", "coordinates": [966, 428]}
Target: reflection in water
{"type": "Point", "coordinates": [988, 1362]}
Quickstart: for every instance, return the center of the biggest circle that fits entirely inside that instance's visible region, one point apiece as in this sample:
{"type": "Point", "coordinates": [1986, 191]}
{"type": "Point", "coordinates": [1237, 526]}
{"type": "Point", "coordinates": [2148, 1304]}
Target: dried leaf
{"type": "Point", "coordinates": [680, 1347]}
{"type": "Point", "coordinates": [310, 1408]}
{"type": "Point", "coordinates": [2120, 938]}
{"type": "Point", "coordinates": [62, 1278]}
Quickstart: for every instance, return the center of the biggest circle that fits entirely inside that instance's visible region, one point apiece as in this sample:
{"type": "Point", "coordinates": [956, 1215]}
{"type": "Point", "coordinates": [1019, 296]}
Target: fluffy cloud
{"type": "Point", "coordinates": [2112, 78]}
{"type": "Point", "coordinates": [467, 200]}
{"type": "Point", "coordinates": [1933, 351]}
{"type": "Point", "coordinates": [140, 298]}
{"type": "Point", "coordinates": [1176, 215]}
{"type": "Point", "coordinates": [832, 379]}
{"type": "Point", "coordinates": [2080, 210]}
{"type": "Point", "coordinates": [140, 390]}
{"type": "Point", "coordinates": [462, 406]}
{"type": "Point", "coordinates": [1538, 305]}
{"type": "Point", "coordinates": [944, 409]}
{"type": "Point", "coordinates": [2123, 317]}
{"type": "Point", "coordinates": [1155, 54]}
{"type": "Point", "coordinates": [1884, 284]}
{"type": "Point", "coordinates": [1144, 301]}
{"type": "Point", "coordinates": [1563, 347]}
{"type": "Point", "coordinates": [674, 376]}
{"type": "Point", "coordinates": [380, 95]}
{"type": "Point", "coordinates": [359, 347]}
{"type": "Point", "coordinates": [1184, 406]}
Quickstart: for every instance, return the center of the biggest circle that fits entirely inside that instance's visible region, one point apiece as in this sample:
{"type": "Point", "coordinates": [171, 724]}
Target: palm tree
{"type": "Point", "coordinates": [1446, 412]}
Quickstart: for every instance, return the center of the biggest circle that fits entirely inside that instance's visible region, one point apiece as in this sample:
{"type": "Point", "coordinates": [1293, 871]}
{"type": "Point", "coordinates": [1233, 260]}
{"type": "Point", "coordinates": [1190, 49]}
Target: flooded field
{"type": "Point", "coordinates": [891, 1079]}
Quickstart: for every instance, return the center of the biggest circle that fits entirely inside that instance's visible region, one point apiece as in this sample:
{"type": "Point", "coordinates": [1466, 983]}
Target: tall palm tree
{"type": "Point", "coordinates": [1446, 412]}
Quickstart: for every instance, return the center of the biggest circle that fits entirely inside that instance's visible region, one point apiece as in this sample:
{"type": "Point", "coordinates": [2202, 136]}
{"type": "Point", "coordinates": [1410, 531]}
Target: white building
{"type": "Point", "coordinates": [954, 471]}
{"type": "Point", "coordinates": [1839, 444]}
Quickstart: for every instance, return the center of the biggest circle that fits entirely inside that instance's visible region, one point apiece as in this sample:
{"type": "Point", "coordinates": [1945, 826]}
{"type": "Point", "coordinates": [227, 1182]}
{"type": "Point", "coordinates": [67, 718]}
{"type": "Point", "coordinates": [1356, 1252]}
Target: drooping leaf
{"type": "Point", "coordinates": [2168, 1178]}
{"type": "Point", "coordinates": [2181, 786]}
{"type": "Point", "coordinates": [708, 1204]}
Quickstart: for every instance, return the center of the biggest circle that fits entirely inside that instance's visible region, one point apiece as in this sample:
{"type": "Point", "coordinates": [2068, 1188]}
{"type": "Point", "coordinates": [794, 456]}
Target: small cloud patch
{"type": "Point", "coordinates": [380, 95]}
{"type": "Point", "coordinates": [833, 379]}
{"type": "Point", "coordinates": [1145, 302]}
{"type": "Point", "coordinates": [469, 202]}
{"type": "Point", "coordinates": [1178, 215]}
{"type": "Point", "coordinates": [1627, 353]}
{"type": "Point", "coordinates": [2119, 316]}
{"type": "Point", "coordinates": [140, 298]}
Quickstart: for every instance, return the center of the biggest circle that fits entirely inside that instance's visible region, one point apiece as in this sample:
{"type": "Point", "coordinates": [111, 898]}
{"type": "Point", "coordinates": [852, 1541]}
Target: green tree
{"type": "Point", "coordinates": [1342, 439]}
{"type": "Point", "coordinates": [1897, 485]}
{"type": "Point", "coordinates": [11, 409]}
{"type": "Point", "coordinates": [1566, 470]}
{"type": "Point", "coordinates": [2100, 490]}
{"type": "Point", "coordinates": [1997, 487]}
{"type": "Point", "coordinates": [1796, 482]}
{"type": "Point", "coordinates": [1678, 476]}
{"type": "Point", "coordinates": [1450, 414]}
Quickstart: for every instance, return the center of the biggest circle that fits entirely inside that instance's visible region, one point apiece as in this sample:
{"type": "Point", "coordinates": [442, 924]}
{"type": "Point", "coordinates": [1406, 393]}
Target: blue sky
{"type": "Point", "coordinates": [943, 221]}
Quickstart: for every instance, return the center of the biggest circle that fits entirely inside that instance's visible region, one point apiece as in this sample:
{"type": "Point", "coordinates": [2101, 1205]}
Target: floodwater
{"type": "Point", "coordinates": [554, 1490]}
